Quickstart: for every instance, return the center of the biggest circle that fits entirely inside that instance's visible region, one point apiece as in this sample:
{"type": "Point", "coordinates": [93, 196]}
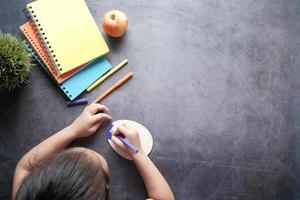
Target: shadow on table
{"type": "Point", "coordinates": [115, 44]}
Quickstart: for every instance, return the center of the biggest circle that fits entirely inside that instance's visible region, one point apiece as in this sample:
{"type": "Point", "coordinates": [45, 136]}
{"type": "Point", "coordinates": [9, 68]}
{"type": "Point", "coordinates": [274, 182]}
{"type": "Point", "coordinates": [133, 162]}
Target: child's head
{"type": "Point", "coordinates": [77, 173]}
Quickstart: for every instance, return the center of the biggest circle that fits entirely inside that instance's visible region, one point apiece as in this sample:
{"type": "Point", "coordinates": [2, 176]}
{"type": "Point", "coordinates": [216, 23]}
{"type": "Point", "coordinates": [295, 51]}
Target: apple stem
{"type": "Point", "coordinates": [113, 16]}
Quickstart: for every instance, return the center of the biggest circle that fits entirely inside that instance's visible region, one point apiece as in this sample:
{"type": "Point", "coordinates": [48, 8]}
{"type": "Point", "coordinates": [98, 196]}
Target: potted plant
{"type": "Point", "coordinates": [14, 63]}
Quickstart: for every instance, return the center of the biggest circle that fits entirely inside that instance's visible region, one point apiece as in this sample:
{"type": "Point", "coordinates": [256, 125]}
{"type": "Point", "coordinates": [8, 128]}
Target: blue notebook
{"type": "Point", "coordinates": [78, 83]}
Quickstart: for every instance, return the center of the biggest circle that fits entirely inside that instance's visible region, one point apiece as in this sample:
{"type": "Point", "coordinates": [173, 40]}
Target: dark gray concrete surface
{"type": "Point", "coordinates": [217, 83]}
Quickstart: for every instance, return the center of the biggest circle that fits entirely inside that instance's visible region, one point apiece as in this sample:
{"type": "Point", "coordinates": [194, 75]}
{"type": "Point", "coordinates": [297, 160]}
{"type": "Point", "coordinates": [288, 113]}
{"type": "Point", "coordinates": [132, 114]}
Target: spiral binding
{"type": "Point", "coordinates": [38, 49]}
{"type": "Point", "coordinates": [34, 55]}
{"type": "Point", "coordinates": [44, 38]}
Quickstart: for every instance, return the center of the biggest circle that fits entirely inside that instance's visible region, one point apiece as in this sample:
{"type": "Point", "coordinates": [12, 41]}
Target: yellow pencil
{"type": "Point", "coordinates": [113, 70]}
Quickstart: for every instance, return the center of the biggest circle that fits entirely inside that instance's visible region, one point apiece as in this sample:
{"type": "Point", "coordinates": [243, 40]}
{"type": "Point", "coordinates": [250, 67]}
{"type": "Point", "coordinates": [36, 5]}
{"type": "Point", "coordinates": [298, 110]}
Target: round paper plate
{"type": "Point", "coordinates": [145, 137]}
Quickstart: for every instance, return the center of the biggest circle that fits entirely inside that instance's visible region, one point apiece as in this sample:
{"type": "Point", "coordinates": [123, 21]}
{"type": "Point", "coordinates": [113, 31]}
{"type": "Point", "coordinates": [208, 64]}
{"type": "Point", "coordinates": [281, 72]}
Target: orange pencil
{"type": "Point", "coordinates": [114, 87]}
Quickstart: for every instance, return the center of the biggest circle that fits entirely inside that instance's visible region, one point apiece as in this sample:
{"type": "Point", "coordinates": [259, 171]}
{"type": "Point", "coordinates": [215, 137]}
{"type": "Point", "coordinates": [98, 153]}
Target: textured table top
{"type": "Point", "coordinates": [216, 82]}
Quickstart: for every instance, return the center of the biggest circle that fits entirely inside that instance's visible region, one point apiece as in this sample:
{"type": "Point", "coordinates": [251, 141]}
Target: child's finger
{"type": "Point", "coordinates": [101, 116]}
{"type": "Point", "coordinates": [122, 147]}
{"type": "Point", "coordinates": [95, 108]}
{"type": "Point", "coordinates": [123, 130]}
{"type": "Point", "coordinates": [118, 142]}
{"type": "Point", "coordinates": [115, 130]}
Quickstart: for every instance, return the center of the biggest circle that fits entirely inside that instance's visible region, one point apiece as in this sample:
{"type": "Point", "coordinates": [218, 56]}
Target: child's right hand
{"type": "Point", "coordinates": [90, 120]}
{"type": "Point", "coordinates": [131, 135]}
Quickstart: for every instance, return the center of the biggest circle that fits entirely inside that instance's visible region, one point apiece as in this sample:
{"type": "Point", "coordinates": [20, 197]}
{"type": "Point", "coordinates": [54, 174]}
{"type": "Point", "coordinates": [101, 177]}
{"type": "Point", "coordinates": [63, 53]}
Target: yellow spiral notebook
{"type": "Point", "coordinates": [68, 31]}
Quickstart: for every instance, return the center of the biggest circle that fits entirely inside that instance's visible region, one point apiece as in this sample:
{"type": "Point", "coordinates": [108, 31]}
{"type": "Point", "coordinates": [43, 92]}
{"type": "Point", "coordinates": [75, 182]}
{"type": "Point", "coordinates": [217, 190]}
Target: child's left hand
{"type": "Point", "coordinates": [90, 120]}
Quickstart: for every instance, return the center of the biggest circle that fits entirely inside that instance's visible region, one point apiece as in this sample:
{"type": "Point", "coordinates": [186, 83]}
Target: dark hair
{"type": "Point", "coordinates": [69, 175]}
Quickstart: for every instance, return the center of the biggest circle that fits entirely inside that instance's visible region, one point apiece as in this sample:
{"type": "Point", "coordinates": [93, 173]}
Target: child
{"type": "Point", "coordinates": [51, 172]}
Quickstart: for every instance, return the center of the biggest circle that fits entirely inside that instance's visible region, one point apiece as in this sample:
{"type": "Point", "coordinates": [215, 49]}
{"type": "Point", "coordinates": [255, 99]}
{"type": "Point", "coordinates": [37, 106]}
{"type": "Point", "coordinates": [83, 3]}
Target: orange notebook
{"type": "Point", "coordinates": [33, 37]}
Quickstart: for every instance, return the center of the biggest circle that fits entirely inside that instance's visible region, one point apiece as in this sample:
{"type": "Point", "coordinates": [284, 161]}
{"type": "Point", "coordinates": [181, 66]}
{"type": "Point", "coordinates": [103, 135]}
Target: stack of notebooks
{"type": "Point", "coordinates": [64, 38]}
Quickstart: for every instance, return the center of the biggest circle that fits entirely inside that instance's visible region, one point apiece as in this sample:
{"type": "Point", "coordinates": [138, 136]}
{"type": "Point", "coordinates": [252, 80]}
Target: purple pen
{"type": "Point", "coordinates": [129, 145]}
{"type": "Point", "coordinates": [77, 102]}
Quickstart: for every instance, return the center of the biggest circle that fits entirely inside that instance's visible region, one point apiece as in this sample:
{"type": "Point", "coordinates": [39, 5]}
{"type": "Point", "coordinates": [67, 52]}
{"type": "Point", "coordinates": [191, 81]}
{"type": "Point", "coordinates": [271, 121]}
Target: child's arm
{"type": "Point", "coordinates": [86, 124]}
{"type": "Point", "coordinates": [156, 185]}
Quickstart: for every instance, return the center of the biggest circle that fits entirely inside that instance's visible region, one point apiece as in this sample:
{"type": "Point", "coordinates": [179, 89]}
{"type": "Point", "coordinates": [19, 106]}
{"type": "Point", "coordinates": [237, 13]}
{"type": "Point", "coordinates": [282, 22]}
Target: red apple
{"type": "Point", "coordinates": [114, 23]}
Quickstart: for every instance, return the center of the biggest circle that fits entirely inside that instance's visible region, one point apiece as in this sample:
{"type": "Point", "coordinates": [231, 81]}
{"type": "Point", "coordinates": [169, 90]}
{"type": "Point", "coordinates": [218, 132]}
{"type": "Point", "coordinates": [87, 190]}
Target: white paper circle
{"type": "Point", "coordinates": [145, 137]}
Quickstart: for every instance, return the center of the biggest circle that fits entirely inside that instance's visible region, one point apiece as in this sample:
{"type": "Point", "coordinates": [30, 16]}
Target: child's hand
{"type": "Point", "coordinates": [90, 120]}
{"type": "Point", "coordinates": [131, 135]}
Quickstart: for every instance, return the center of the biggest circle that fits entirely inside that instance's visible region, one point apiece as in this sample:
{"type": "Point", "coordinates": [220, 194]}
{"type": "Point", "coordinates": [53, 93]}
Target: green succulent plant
{"type": "Point", "coordinates": [14, 62]}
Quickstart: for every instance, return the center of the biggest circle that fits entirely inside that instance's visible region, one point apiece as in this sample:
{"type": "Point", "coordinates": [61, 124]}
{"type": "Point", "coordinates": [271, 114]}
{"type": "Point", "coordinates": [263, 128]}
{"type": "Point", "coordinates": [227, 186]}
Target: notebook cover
{"type": "Point", "coordinates": [78, 83]}
{"type": "Point", "coordinates": [69, 31]}
{"type": "Point", "coordinates": [32, 36]}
